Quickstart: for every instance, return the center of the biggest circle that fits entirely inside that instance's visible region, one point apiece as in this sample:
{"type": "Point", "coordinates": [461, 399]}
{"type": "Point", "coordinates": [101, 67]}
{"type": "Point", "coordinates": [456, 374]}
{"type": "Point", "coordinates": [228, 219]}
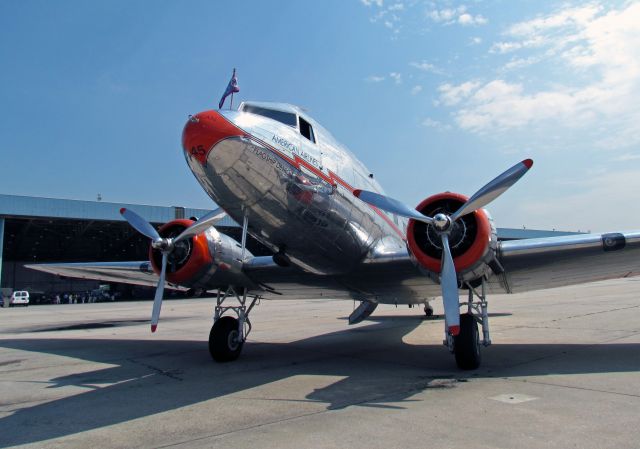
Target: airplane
{"type": "Point", "coordinates": [334, 234]}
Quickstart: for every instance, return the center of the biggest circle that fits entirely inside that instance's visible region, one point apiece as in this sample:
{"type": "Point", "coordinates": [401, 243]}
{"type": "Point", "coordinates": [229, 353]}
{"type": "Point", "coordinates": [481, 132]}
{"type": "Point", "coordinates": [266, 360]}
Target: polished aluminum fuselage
{"type": "Point", "coordinates": [297, 194]}
{"type": "Point", "coordinates": [298, 198]}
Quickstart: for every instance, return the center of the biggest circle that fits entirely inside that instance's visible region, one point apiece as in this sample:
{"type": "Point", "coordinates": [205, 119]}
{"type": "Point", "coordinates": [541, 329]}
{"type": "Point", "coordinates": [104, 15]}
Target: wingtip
{"type": "Point", "coordinates": [154, 327]}
{"type": "Point", "coordinates": [528, 163]}
{"type": "Point", "coordinates": [357, 193]}
{"type": "Point", "coordinates": [122, 210]}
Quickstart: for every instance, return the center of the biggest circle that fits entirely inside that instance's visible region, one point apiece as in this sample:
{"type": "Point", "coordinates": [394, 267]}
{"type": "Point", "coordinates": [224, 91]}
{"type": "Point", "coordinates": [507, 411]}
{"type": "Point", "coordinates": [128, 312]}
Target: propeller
{"type": "Point", "coordinates": [166, 246]}
{"type": "Point", "coordinates": [203, 223]}
{"type": "Point", "coordinates": [443, 225]}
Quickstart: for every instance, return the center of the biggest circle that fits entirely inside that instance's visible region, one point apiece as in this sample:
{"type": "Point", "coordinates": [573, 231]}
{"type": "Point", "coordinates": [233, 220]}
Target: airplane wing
{"type": "Point", "coordinates": [392, 275]}
{"type": "Point", "coordinates": [136, 273]}
{"type": "Point", "coordinates": [535, 264]}
{"type": "Point", "coordinates": [528, 264]}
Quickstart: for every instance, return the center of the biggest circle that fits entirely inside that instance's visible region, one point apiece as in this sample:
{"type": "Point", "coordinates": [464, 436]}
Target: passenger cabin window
{"type": "Point", "coordinates": [306, 130]}
{"type": "Point", "coordinates": [283, 117]}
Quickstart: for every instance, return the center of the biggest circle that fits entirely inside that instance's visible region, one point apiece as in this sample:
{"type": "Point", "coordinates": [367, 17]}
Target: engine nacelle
{"type": "Point", "coordinates": [206, 261]}
{"type": "Point", "coordinates": [473, 239]}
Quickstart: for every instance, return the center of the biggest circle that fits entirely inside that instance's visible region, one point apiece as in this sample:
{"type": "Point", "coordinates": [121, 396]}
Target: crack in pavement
{"type": "Point", "coordinates": [172, 374]}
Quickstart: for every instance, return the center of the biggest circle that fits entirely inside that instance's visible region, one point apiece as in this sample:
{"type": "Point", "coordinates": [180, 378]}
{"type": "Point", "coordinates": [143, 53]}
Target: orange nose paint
{"type": "Point", "coordinates": [203, 131]}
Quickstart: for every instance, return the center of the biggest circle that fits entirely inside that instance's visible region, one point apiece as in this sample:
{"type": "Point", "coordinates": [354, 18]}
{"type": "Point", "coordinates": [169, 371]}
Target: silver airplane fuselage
{"type": "Point", "coordinates": [294, 182]}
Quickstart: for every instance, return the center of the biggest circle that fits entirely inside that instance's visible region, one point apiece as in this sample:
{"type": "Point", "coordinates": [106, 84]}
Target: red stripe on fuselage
{"type": "Point", "coordinates": [331, 178]}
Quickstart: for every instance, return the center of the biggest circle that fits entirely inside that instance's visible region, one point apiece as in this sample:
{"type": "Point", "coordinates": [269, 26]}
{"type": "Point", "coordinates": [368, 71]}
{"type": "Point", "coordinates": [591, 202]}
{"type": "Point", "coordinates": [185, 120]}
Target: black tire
{"type": "Point", "coordinates": [466, 345]}
{"type": "Point", "coordinates": [223, 344]}
{"type": "Point", "coordinates": [428, 311]}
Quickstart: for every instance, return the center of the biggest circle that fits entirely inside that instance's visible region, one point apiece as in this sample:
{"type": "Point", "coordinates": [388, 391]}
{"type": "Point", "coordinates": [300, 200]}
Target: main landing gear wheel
{"type": "Point", "coordinates": [428, 310]}
{"type": "Point", "coordinates": [466, 345]}
{"type": "Point", "coordinates": [225, 342]}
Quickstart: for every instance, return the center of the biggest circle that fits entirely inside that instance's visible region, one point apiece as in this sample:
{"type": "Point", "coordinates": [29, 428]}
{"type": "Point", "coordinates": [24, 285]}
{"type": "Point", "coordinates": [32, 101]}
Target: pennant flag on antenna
{"type": "Point", "coordinates": [232, 88]}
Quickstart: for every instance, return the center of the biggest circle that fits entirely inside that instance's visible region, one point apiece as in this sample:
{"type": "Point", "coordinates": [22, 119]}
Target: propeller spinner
{"type": "Point", "coordinates": [442, 224]}
{"type": "Point", "coordinates": [166, 246]}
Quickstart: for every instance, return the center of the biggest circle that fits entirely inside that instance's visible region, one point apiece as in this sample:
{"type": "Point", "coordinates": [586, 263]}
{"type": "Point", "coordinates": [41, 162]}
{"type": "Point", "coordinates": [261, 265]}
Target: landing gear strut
{"type": "Point", "coordinates": [466, 345]}
{"type": "Point", "coordinates": [229, 333]}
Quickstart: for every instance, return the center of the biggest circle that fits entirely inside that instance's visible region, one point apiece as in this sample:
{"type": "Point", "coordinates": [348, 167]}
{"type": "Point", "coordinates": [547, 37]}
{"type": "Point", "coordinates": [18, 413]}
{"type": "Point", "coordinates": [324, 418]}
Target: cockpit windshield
{"type": "Point", "coordinates": [283, 117]}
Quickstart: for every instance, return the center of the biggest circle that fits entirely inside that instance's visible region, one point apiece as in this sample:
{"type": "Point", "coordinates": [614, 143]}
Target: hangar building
{"type": "Point", "coordinates": [40, 230]}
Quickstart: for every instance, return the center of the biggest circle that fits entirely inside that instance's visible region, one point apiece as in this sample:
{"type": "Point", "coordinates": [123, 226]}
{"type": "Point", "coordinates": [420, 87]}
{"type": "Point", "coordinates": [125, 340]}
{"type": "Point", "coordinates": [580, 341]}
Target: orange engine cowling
{"type": "Point", "coordinates": [473, 239]}
{"type": "Point", "coordinates": [191, 258]}
{"type": "Point", "coordinates": [208, 260]}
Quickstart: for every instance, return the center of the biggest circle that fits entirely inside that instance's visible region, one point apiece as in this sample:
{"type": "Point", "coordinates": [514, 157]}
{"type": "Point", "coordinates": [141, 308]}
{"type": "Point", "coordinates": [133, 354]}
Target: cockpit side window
{"type": "Point", "coordinates": [283, 117]}
{"type": "Point", "coordinates": [306, 130]}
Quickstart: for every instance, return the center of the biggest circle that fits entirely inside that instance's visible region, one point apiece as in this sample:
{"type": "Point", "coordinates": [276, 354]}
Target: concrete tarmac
{"type": "Point", "coordinates": [564, 371]}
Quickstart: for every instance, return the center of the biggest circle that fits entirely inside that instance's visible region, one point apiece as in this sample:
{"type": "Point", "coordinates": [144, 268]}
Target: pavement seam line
{"type": "Point", "coordinates": [570, 387]}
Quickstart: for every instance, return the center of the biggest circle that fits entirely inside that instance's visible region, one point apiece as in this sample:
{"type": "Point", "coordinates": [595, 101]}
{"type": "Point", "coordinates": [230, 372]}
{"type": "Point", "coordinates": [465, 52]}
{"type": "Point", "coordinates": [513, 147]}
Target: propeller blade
{"type": "Point", "coordinates": [493, 189]}
{"type": "Point", "coordinates": [157, 300]}
{"type": "Point", "coordinates": [140, 224]}
{"type": "Point", "coordinates": [203, 223]}
{"type": "Point", "coordinates": [391, 205]}
{"type": "Point", "coordinates": [449, 285]}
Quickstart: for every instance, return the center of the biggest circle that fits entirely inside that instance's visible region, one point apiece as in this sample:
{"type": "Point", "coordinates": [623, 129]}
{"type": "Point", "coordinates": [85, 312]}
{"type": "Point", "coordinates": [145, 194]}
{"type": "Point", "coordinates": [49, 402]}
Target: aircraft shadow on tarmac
{"type": "Point", "coordinates": [376, 368]}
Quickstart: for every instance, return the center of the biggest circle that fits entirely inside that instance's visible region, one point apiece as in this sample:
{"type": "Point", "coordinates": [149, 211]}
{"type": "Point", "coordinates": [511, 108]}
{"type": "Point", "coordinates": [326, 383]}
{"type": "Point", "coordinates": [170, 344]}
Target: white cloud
{"type": "Point", "coordinates": [459, 15]}
{"type": "Point", "coordinates": [475, 40]}
{"type": "Point", "coordinates": [500, 105]}
{"type": "Point", "coordinates": [435, 124]}
{"type": "Point", "coordinates": [468, 19]}
{"type": "Point", "coordinates": [425, 67]}
{"type": "Point", "coordinates": [390, 17]}
{"type": "Point", "coordinates": [519, 63]}
{"type": "Point", "coordinates": [510, 46]}
{"type": "Point", "coordinates": [394, 76]}
{"type": "Point", "coordinates": [557, 31]}
{"type": "Point", "coordinates": [579, 16]}
{"type": "Point", "coordinates": [443, 15]}
{"type": "Point", "coordinates": [505, 47]}
{"type": "Point", "coordinates": [600, 49]}
{"type": "Point", "coordinates": [451, 95]}
{"type": "Point", "coordinates": [415, 90]}
{"type": "Point", "coordinates": [374, 79]}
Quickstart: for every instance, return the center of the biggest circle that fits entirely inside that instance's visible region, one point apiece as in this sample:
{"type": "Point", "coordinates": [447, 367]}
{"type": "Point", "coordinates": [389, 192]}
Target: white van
{"type": "Point", "coordinates": [19, 298]}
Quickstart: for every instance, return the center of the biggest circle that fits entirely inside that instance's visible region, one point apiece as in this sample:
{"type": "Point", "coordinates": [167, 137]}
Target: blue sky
{"type": "Point", "coordinates": [431, 96]}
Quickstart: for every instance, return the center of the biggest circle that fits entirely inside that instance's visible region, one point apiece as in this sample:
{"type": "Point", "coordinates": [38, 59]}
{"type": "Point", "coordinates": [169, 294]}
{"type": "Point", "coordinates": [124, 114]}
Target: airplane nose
{"type": "Point", "coordinates": [203, 131]}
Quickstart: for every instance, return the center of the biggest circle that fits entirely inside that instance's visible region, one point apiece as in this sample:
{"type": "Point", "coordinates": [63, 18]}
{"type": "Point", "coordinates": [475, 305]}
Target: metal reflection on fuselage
{"type": "Point", "coordinates": [294, 191]}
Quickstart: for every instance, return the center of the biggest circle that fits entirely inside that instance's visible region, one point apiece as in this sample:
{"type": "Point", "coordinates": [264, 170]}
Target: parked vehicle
{"type": "Point", "coordinates": [19, 298]}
